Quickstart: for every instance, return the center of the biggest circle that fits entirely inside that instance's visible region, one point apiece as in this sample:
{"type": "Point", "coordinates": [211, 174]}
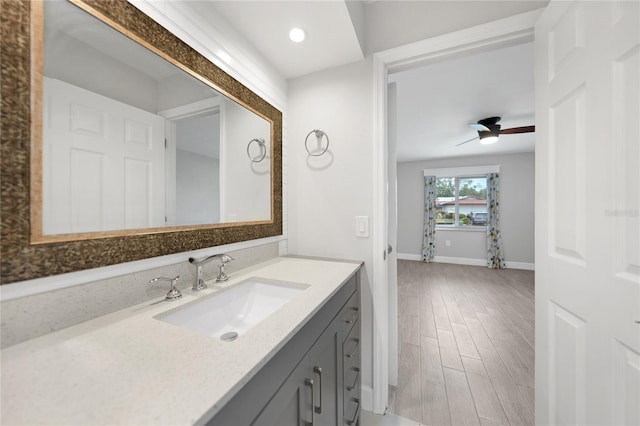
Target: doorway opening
{"type": "Point", "coordinates": [448, 314]}
{"type": "Point", "coordinates": [509, 32]}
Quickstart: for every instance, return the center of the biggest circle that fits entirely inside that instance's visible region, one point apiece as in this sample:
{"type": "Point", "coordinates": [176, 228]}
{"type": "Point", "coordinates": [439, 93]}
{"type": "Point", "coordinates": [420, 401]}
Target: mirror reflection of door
{"type": "Point", "coordinates": [103, 162]}
{"type": "Point", "coordinates": [197, 169]}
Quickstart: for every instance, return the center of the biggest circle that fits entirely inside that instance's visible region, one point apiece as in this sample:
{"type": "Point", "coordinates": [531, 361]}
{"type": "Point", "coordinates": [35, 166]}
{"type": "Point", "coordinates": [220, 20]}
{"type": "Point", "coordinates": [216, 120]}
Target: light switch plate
{"type": "Point", "coordinates": [362, 226]}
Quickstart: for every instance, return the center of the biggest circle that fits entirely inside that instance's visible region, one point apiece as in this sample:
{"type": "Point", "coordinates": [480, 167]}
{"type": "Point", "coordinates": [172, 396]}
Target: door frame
{"type": "Point", "coordinates": [171, 115]}
{"type": "Point", "coordinates": [505, 32]}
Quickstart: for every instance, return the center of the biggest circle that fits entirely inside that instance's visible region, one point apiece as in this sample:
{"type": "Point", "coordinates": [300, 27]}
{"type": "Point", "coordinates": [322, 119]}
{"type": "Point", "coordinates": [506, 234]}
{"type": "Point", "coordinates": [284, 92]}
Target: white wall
{"type": "Point", "coordinates": [246, 185]}
{"type": "Point", "coordinates": [516, 209]}
{"type": "Point", "coordinates": [99, 73]}
{"type": "Point", "coordinates": [110, 64]}
{"type": "Point", "coordinates": [197, 189]}
{"type": "Point", "coordinates": [326, 193]}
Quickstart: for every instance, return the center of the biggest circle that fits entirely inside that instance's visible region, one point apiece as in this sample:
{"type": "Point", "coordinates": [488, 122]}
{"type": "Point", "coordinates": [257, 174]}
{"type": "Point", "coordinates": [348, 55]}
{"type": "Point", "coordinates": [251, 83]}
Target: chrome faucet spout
{"type": "Point", "coordinates": [224, 259]}
{"type": "Point", "coordinates": [204, 259]}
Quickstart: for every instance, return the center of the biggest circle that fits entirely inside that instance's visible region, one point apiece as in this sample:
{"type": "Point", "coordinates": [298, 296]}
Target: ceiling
{"type": "Point", "coordinates": [331, 40]}
{"type": "Point", "coordinates": [436, 103]}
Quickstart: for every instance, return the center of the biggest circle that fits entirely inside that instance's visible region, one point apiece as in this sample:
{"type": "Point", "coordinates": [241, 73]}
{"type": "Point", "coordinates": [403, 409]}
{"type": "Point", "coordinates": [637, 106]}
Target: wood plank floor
{"type": "Point", "coordinates": [465, 339]}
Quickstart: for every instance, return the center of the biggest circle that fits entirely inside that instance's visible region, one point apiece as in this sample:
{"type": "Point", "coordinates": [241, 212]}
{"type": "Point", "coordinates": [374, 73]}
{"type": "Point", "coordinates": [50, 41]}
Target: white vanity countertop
{"type": "Point", "coordinates": [129, 368]}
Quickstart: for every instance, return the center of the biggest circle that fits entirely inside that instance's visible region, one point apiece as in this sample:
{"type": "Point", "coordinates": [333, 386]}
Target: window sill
{"type": "Point", "coordinates": [462, 228]}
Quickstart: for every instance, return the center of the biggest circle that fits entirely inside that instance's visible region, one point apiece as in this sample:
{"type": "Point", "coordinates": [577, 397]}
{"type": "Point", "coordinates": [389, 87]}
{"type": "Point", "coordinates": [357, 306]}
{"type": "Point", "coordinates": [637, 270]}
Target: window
{"type": "Point", "coordinates": [461, 196]}
{"type": "Point", "coordinates": [464, 198]}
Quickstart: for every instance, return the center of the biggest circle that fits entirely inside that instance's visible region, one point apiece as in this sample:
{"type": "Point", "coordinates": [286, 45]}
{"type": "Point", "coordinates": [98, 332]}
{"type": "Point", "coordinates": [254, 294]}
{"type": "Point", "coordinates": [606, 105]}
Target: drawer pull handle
{"type": "Point", "coordinates": [318, 371]}
{"type": "Point", "coordinates": [357, 414]}
{"type": "Point", "coordinates": [355, 318]}
{"type": "Point", "coordinates": [355, 349]}
{"type": "Point", "coordinates": [309, 383]}
{"type": "Point", "coordinates": [355, 380]}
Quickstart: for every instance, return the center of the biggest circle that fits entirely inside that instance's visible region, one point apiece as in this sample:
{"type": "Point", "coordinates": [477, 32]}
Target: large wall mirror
{"type": "Point", "coordinates": [130, 144]}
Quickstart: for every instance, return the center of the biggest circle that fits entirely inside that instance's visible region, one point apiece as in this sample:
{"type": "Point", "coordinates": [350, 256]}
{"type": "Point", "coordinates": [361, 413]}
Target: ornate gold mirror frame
{"type": "Point", "coordinates": [20, 258]}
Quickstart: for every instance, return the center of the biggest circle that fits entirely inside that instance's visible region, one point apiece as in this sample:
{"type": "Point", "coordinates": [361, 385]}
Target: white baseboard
{"type": "Point", "coordinates": [521, 265]}
{"type": "Point", "coordinates": [405, 256]}
{"type": "Point", "coordinates": [367, 398]}
{"type": "Point", "coordinates": [460, 260]}
{"type": "Point", "coordinates": [467, 261]}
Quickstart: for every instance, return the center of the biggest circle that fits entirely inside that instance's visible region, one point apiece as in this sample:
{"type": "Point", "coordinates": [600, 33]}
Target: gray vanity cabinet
{"type": "Point", "coordinates": [351, 383]}
{"type": "Point", "coordinates": [325, 362]}
{"type": "Point", "coordinates": [318, 376]}
{"type": "Point", "coordinates": [291, 405]}
{"type": "Point", "coordinates": [306, 381]}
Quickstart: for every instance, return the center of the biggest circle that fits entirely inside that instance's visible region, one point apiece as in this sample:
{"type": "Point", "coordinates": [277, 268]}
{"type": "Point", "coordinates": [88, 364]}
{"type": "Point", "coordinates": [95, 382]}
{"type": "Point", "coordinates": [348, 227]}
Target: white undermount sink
{"type": "Point", "coordinates": [234, 309]}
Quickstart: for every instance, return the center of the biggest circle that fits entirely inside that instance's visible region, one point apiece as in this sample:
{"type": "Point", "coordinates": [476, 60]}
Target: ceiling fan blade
{"type": "Point", "coordinates": [472, 139]}
{"type": "Point", "coordinates": [524, 129]}
{"type": "Point", "coordinates": [479, 127]}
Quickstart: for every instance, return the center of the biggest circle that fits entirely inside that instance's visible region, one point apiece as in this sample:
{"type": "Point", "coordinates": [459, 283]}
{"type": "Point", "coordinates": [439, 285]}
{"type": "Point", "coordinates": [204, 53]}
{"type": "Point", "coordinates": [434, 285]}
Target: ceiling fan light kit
{"type": "Point", "coordinates": [487, 138]}
{"type": "Point", "coordinates": [488, 130]}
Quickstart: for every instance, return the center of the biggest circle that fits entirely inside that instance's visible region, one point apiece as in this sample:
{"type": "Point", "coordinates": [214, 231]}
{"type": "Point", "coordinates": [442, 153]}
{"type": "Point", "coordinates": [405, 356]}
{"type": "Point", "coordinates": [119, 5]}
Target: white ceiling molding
{"type": "Point", "coordinates": [197, 24]}
{"type": "Point", "coordinates": [509, 31]}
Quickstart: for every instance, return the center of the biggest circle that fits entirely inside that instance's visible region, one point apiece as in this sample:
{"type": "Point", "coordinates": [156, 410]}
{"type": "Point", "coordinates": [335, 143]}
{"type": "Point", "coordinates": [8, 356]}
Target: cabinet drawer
{"type": "Point", "coordinates": [351, 350]}
{"type": "Point", "coordinates": [352, 412]}
{"type": "Point", "coordinates": [352, 380]}
{"type": "Point", "coordinates": [350, 315]}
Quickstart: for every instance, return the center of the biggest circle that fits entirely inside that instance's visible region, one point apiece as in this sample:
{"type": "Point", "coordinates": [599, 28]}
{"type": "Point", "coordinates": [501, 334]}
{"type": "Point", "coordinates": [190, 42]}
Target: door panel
{"type": "Point", "coordinates": [626, 398]}
{"type": "Point", "coordinates": [626, 173]}
{"type": "Point", "coordinates": [587, 221]}
{"type": "Point", "coordinates": [291, 405]}
{"type": "Point", "coordinates": [567, 353]}
{"type": "Point", "coordinates": [137, 193]}
{"type": "Point", "coordinates": [103, 162]}
{"type": "Point", "coordinates": [326, 369]}
{"type": "Point", "coordinates": [567, 223]}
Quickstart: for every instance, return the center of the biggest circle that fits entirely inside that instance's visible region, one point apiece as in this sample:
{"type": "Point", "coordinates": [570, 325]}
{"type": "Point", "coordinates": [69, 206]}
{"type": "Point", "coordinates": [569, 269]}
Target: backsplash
{"type": "Point", "coordinates": [32, 316]}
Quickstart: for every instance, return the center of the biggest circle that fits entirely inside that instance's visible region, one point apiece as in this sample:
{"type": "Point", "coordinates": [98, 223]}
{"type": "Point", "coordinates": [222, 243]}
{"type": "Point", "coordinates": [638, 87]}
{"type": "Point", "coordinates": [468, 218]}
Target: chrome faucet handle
{"type": "Point", "coordinates": [173, 293]}
{"type": "Point", "coordinates": [225, 259]}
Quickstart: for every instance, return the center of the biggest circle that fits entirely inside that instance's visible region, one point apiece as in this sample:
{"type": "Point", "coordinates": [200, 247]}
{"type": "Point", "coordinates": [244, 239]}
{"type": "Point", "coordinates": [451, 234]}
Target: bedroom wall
{"type": "Point", "coordinates": [466, 246]}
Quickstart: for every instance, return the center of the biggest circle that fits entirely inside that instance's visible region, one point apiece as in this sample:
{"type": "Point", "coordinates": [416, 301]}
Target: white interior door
{"type": "Point", "coordinates": [103, 163]}
{"type": "Point", "coordinates": [587, 222]}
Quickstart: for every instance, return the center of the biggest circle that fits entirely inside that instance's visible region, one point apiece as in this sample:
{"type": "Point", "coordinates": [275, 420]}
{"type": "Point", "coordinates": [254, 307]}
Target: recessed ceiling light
{"type": "Point", "coordinates": [297, 35]}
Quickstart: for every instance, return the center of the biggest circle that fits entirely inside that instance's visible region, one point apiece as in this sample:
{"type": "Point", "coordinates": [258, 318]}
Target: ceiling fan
{"type": "Point", "coordinates": [489, 130]}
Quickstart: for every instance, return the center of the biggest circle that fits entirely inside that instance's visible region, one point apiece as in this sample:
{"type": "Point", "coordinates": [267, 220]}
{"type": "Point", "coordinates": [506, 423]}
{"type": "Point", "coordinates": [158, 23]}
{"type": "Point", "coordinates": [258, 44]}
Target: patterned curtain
{"type": "Point", "coordinates": [429, 234]}
{"type": "Point", "coordinates": [495, 256]}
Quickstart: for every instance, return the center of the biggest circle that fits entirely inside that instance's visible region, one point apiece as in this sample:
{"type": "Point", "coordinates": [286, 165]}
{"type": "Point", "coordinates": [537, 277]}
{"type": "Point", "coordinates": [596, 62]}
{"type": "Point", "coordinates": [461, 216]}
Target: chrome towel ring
{"type": "Point", "coordinates": [263, 150]}
{"type": "Point", "coordinates": [319, 134]}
